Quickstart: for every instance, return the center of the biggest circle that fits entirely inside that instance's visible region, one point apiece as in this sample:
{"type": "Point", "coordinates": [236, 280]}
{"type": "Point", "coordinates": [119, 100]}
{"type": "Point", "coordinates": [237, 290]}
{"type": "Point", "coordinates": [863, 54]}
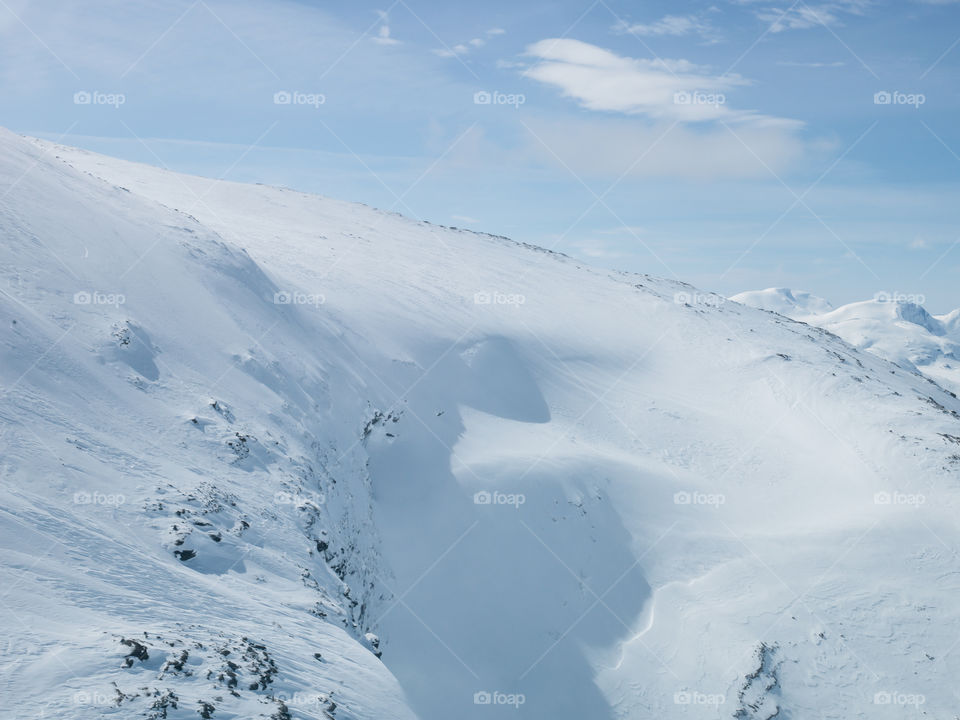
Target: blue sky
{"type": "Point", "coordinates": [735, 145]}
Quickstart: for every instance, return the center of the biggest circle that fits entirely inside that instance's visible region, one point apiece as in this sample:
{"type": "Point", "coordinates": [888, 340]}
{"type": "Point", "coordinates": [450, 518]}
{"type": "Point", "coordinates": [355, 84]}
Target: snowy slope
{"type": "Point", "coordinates": [552, 491]}
{"type": "Point", "coordinates": [175, 455]}
{"type": "Point", "coordinates": [791, 303]}
{"type": "Point", "coordinates": [894, 328]}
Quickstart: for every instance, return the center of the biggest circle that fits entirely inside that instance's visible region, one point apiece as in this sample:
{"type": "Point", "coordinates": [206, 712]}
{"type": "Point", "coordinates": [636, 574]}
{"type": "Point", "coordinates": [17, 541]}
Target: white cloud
{"type": "Point", "coordinates": [465, 47]}
{"type": "Point", "coordinates": [456, 50]}
{"type": "Point", "coordinates": [671, 25]}
{"type": "Point", "coordinates": [801, 15]}
{"type": "Point", "coordinates": [660, 89]}
{"type": "Point", "coordinates": [383, 36]}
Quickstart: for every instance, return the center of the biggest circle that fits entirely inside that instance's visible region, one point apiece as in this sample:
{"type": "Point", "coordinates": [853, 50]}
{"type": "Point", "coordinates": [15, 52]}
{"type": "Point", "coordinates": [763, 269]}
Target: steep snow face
{"type": "Point", "coordinates": [553, 492]}
{"type": "Point", "coordinates": [186, 520]}
{"type": "Point", "coordinates": [900, 331]}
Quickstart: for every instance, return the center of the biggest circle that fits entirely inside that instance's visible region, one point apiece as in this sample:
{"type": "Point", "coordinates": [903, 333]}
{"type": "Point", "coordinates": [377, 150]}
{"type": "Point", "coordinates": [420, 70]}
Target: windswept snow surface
{"type": "Point", "coordinates": [892, 325]}
{"type": "Point", "coordinates": [551, 491]}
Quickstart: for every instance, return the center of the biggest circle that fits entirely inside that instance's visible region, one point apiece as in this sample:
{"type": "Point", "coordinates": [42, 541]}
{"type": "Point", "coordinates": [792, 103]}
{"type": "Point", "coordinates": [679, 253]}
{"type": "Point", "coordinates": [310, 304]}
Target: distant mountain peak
{"type": "Point", "coordinates": [894, 326]}
{"type": "Point", "coordinates": [785, 301]}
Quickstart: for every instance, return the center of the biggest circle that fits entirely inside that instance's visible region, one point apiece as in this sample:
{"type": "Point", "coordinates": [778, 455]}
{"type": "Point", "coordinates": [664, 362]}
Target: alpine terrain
{"type": "Point", "coordinates": [270, 455]}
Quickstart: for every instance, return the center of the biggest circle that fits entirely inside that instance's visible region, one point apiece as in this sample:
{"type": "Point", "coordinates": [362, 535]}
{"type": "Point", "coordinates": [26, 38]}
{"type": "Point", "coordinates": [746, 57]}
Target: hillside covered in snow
{"type": "Point", "coordinates": [894, 326]}
{"type": "Point", "coordinates": [270, 455]}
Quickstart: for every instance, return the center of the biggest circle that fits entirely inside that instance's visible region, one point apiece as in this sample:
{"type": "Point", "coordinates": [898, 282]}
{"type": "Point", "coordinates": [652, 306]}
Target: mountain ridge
{"type": "Point", "coordinates": [891, 326]}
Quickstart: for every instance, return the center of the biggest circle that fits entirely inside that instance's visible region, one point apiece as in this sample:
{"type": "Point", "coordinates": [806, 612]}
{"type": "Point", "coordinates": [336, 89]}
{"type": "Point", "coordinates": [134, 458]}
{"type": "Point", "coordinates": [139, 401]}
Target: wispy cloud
{"type": "Point", "coordinates": [472, 44]}
{"type": "Point", "coordinates": [383, 36]}
{"type": "Point", "coordinates": [660, 89]}
{"type": "Point", "coordinates": [671, 25]}
{"type": "Point", "coordinates": [802, 15]}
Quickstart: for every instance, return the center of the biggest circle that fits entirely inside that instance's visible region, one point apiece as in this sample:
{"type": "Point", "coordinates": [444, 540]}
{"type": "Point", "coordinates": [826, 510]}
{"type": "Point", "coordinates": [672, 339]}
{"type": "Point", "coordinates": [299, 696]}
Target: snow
{"type": "Point", "coordinates": [539, 489]}
{"type": "Point", "coordinates": [785, 301]}
{"type": "Point", "coordinates": [893, 327]}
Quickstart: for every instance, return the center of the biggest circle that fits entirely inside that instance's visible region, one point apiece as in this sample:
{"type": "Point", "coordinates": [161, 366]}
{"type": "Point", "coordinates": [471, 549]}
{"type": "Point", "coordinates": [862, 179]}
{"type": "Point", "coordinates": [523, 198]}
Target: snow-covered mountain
{"type": "Point", "coordinates": [252, 439]}
{"type": "Point", "coordinates": [791, 303]}
{"type": "Point", "coordinates": [894, 326]}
